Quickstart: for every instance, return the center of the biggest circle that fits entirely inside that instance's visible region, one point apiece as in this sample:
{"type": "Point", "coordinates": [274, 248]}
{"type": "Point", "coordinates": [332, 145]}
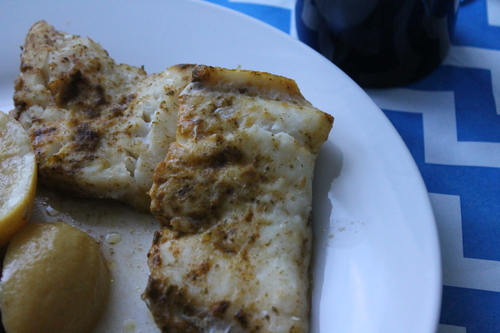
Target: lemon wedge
{"type": "Point", "coordinates": [17, 177]}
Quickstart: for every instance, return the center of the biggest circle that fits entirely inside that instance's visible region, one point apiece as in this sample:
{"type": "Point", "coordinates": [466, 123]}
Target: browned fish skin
{"type": "Point", "coordinates": [234, 194]}
{"type": "Point", "coordinates": [98, 128]}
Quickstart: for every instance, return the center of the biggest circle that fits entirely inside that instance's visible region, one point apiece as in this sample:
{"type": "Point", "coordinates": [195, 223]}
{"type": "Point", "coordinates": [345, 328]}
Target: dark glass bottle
{"type": "Point", "coordinates": [379, 43]}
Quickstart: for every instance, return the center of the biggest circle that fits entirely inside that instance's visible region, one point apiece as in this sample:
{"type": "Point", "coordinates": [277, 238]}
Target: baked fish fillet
{"type": "Point", "coordinates": [98, 128]}
{"type": "Point", "coordinates": [234, 195]}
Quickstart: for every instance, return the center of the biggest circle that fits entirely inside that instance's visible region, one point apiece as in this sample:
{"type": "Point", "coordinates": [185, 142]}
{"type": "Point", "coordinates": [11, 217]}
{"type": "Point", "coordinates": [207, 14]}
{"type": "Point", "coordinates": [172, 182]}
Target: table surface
{"type": "Point", "coordinates": [454, 137]}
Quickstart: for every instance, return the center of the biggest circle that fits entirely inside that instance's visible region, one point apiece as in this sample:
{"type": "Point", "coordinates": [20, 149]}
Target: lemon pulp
{"type": "Point", "coordinates": [17, 177]}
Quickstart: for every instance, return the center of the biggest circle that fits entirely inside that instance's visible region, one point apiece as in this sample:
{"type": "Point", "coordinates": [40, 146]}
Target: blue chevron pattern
{"type": "Point", "coordinates": [468, 83]}
{"type": "Point", "coordinates": [477, 310]}
{"type": "Point", "coordinates": [275, 16]}
{"type": "Point", "coordinates": [480, 198]}
{"type": "Point", "coordinates": [473, 28]}
{"type": "Point", "coordinates": [477, 120]}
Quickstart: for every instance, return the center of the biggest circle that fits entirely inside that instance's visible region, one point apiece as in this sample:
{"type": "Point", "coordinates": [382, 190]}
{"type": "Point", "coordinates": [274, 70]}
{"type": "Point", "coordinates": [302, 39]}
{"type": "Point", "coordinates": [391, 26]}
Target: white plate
{"type": "Point", "coordinates": [377, 262]}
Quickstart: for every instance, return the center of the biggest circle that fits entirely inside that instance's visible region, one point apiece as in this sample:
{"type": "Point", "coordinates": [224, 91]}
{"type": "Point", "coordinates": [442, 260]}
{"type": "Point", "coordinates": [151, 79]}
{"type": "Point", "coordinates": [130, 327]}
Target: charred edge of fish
{"type": "Point", "coordinates": [219, 309]}
{"type": "Point", "coordinates": [228, 155]}
{"type": "Point", "coordinates": [86, 139]}
{"type": "Point", "coordinates": [199, 272]}
{"type": "Point", "coordinates": [201, 73]}
{"type": "Point", "coordinates": [175, 307]}
{"type": "Point", "coordinates": [77, 89]}
{"type": "Point", "coordinates": [242, 318]}
{"type": "Point", "coordinates": [183, 67]}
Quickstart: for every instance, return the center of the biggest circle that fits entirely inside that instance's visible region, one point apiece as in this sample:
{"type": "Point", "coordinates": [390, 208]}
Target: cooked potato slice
{"type": "Point", "coordinates": [54, 280]}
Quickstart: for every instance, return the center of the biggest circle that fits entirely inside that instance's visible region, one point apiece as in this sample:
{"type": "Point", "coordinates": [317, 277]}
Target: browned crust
{"type": "Point", "coordinates": [205, 172]}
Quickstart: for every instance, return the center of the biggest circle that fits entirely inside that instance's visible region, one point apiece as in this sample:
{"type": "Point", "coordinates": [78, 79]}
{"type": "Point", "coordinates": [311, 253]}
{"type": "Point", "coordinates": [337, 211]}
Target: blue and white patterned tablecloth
{"type": "Point", "coordinates": [450, 121]}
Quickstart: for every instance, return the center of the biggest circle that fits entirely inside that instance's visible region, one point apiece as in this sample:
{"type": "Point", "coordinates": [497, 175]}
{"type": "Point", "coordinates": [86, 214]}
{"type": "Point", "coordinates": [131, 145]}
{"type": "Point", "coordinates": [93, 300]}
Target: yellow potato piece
{"type": "Point", "coordinates": [54, 280]}
{"type": "Point", "coordinates": [17, 177]}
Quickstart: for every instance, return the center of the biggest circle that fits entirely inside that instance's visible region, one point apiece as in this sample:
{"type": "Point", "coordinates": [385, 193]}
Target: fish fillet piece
{"type": "Point", "coordinates": [234, 196]}
{"type": "Point", "coordinates": [98, 128]}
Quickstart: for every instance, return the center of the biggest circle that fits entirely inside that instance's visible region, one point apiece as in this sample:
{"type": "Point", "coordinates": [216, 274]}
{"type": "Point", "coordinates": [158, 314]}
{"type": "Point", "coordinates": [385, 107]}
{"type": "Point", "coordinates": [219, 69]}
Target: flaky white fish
{"type": "Point", "coordinates": [98, 128]}
{"type": "Point", "coordinates": [234, 195]}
